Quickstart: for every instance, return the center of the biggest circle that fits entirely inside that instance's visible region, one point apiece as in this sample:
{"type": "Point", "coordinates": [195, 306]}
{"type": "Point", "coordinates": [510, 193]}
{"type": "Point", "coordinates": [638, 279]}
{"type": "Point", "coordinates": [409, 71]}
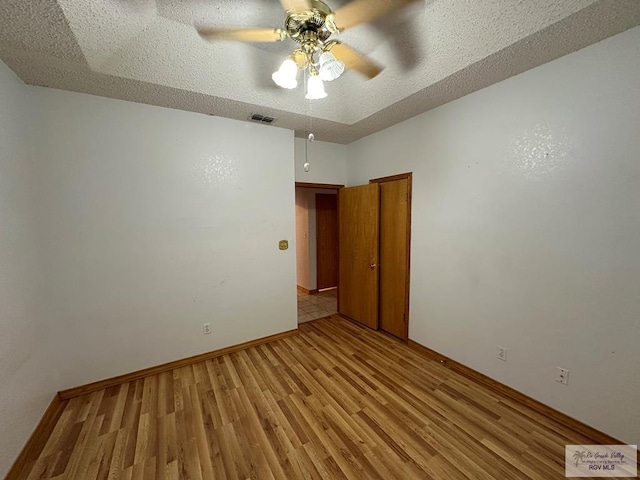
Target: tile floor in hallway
{"type": "Point", "coordinates": [317, 305]}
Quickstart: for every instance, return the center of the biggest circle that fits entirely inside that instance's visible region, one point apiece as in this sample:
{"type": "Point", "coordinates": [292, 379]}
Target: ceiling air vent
{"type": "Point", "coordinates": [256, 117]}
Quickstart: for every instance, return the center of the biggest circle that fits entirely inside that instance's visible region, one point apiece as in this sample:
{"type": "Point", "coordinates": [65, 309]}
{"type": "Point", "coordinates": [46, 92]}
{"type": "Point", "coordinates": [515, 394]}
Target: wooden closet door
{"type": "Point", "coordinates": [394, 265]}
{"type": "Point", "coordinates": [358, 232]}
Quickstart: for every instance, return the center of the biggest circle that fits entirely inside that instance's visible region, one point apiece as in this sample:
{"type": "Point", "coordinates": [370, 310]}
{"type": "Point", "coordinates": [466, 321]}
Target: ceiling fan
{"type": "Point", "coordinates": [312, 24]}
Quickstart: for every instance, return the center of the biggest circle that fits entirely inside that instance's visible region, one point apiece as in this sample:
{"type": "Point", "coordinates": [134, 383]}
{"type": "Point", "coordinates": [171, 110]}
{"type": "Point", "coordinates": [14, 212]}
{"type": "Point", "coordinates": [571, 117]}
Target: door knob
{"type": "Point", "coordinates": [372, 266]}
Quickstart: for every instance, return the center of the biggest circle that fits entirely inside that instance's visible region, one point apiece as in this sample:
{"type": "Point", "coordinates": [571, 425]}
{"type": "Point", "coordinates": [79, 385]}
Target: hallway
{"type": "Point", "coordinates": [318, 305]}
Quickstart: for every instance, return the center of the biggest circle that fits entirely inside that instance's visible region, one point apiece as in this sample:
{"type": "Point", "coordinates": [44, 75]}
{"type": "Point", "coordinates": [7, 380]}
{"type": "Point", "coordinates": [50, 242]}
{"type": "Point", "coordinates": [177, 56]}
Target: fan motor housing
{"type": "Point", "coordinates": [297, 23]}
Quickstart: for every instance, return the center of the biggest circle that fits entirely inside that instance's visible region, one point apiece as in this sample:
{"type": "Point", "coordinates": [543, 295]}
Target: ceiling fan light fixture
{"type": "Point", "coordinates": [315, 88]}
{"type": "Point", "coordinates": [312, 23]}
{"type": "Point", "coordinates": [285, 77]}
{"type": "Point", "coordinates": [330, 67]}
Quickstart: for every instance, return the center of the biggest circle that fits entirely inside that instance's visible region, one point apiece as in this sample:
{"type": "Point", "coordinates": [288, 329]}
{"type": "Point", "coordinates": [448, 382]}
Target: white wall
{"type": "Point", "coordinates": [302, 238]}
{"type": "Point", "coordinates": [24, 372]}
{"type": "Point", "coordinates": [526, 229]}
{"type": "Point", "coordinates": [328, 162]}
{"type": "Point", "coordinates": [157, 221]}
{"type": "Point", "coordinates": [313, 236]}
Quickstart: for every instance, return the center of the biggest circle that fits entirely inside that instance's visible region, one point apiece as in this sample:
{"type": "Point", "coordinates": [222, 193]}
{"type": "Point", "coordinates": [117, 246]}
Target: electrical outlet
{"type": "Point", "coordinates": [502, 353]}
{"type": "Point", "coordinates": [562, 375]}
{"type": "Point", "coordinates": [206, 328]}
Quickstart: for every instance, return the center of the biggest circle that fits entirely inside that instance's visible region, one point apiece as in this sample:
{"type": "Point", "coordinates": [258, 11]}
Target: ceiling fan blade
{"type": "Point", "coordinates": [355, 60]}
{"type": "Point", "coordinates": [242, 34]}
{"type": "Point", "coordinates": [296, 5]}
{"type": "Point", "coordinates": [362, 11]}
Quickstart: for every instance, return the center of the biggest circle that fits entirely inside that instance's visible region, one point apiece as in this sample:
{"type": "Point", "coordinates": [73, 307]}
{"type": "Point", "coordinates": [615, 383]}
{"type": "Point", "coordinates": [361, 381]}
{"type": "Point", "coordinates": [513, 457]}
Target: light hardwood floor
{"type": "Point", "coordinates": [336, 401]}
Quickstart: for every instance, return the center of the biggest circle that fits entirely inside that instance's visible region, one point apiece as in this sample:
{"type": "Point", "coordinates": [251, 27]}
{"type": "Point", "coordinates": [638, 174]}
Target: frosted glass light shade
{"type": "Point", "coordinates": [330, 67]}
{"type": "Point", "coordinates": [315, 88]}
{"type": "Point", "coordinates": [285, 77]}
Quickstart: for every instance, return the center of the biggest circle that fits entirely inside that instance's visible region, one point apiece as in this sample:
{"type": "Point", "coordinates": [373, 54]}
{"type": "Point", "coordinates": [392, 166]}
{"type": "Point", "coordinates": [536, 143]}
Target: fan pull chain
{"type": "Point", "coordinates": [310, 135]}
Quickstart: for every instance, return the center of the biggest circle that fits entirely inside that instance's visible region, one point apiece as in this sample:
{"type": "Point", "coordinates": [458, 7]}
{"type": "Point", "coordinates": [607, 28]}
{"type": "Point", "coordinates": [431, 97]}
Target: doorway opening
{"type": "Point", "coordinates": [316, 250]}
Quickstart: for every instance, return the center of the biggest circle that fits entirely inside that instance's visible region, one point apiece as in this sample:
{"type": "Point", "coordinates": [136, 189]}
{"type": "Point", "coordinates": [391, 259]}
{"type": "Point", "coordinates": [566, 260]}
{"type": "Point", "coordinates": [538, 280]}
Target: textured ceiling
{"type": "Point", "coordinates": [434, 51]}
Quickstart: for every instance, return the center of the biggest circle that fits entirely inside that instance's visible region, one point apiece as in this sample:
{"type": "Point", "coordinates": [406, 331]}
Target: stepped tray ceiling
{"type": "Point", "coordinates": [433, 51]}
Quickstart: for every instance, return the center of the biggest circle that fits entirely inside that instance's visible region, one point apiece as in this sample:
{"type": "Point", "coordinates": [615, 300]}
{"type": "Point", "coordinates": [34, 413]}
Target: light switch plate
{"type": "Point", "coordinates": [284, 244]}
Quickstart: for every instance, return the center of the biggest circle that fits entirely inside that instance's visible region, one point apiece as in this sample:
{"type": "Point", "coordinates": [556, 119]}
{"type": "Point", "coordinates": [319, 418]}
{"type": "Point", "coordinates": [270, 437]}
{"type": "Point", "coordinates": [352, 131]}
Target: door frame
{"type": "Point", "coordinates": [409, 177]}
{"type": "Point", "coordinates": [323, 186]}
{"type": "Point", "coordinates": [327, 186]}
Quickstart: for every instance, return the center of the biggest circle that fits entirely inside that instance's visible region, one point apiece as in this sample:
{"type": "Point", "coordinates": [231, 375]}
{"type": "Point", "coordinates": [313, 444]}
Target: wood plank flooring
{"type": "Point", "coordinates": [337, 401]}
